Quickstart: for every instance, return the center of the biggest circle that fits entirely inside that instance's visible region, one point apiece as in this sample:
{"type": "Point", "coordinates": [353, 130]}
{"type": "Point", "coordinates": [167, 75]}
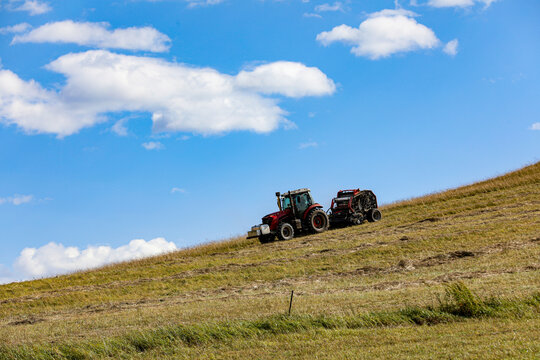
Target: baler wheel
{"type": "Point", "coordinates": [374, 215]}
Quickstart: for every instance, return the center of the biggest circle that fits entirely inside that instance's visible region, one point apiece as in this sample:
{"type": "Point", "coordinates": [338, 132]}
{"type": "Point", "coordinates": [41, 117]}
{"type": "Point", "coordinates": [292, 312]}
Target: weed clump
{"type": "Point", "coordinates": [459, 300]}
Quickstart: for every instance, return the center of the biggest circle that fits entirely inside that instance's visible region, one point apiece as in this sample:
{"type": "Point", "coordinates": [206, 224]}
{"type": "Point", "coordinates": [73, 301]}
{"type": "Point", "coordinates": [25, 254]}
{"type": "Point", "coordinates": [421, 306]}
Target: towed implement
{"type": "Point", "coordinates": [353, 207]}
{"type": "Point", "coordinates": [297, 214]}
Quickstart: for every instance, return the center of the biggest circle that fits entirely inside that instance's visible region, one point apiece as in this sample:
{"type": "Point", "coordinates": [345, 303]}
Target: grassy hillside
{"type": "Point", "coordinates": [454, 274]}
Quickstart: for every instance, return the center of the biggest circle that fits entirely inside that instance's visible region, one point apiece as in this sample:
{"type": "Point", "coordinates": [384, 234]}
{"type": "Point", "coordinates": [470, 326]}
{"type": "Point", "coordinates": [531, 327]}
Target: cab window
{"type": "Point", "coordinates": [302, 202]}
{"type": "Point", "coordinates": [285, 203]}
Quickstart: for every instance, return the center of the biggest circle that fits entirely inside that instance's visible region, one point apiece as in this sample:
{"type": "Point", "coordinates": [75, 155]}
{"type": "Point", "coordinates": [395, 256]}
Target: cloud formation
{"type": "Point", "coordinates": [153, 145]}
{"type": "Point", "coordinates": [16, 199]}
{"type": "Point", "coordinates": [451, 48]}
{"type": "Point", "coordinates": [18, 28]}
{"type": "Point", "coordinates": [54, 259]}
{"type": "Point", "coordinates": [336, 6]}
{"type": "Point", "coordinates": [535, 126]}
{"type": "Point", "coordinates": [382, 34]}
{"type": "Point", "coordinates": [179, 97]}
{"type": "Point", "coordinates": [286, 78]}
{"type": "Point", "coordinates": [458, 3]}
{"type": "Point", "coordinates": [97, 35]}
{"type": "Point", "coordinates": [33, 7]}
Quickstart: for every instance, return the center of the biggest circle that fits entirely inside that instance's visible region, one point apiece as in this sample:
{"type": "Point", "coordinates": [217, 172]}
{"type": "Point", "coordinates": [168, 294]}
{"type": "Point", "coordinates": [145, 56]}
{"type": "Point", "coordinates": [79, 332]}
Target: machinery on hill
{"type": "Point", "coordinates": [353, 207]}
{"type": "Point", "coordinates": [298, 213]}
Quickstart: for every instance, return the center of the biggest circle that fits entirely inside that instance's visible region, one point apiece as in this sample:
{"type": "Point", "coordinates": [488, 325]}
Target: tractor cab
{"type": "Point", "coordinates": [301, 199]}
{"type": "Point", "coordinates": [298, 213]}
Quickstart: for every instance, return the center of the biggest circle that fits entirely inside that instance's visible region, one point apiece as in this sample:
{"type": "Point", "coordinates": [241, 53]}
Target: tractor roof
{"type": "Point", "coordinates": [294, 192]}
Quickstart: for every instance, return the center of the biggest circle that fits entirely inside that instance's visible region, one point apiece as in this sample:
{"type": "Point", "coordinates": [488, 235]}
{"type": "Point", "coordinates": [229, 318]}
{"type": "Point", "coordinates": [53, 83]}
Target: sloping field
{"type": "Point", "coordinates": [449, 275]}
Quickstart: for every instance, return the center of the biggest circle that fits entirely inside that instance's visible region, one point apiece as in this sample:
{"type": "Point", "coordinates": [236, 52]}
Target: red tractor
{"type": "Point", "coordinates": [298, 213]}
{"type": "Point", "coordinates": [353, 207]}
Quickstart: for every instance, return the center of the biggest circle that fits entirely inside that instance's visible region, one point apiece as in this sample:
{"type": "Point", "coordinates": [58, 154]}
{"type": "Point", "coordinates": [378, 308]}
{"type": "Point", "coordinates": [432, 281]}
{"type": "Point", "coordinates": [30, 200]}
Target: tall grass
{"type": "Point", "coordinates": [458, 303]}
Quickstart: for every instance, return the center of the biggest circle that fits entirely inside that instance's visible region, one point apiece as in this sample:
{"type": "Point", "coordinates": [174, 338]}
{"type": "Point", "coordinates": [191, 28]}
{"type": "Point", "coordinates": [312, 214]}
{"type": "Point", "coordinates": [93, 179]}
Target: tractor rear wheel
{"type": "Point", "coordinates": [317, 221]}
{"type": "Point", "coordinates": [285, 231]}
{"type": "Point", "coordinates": [374, 215]}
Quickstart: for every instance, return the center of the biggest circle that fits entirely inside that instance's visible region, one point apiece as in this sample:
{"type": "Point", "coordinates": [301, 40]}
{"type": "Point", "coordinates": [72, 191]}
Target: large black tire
{"type": "Point", "coordinates": [317, 221]}
{"type": "Point", "coordinates": [267, 238]}
{"type": "Point", "coordinates": [285, 231]}
{"type": "Point", "coordinates": [374, 215]}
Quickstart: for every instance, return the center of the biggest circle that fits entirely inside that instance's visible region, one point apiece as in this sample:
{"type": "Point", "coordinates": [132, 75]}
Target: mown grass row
{"type": "Point", "coordinates": [456, 304]}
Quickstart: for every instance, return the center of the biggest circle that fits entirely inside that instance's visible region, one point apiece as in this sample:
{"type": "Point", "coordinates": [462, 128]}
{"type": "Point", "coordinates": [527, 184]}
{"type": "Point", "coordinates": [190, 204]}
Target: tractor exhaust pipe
{"type": "Point", "coordinates": [278, 195]}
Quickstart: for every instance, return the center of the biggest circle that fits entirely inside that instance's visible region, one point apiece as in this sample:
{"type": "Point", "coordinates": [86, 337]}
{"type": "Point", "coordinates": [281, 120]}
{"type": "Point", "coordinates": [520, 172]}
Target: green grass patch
{"type": "Point", "coordinates": [457, 304]}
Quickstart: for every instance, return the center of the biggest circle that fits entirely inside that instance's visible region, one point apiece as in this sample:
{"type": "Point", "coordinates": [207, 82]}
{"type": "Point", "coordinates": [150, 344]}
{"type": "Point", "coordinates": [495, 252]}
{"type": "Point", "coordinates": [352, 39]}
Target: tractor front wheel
{"type": "Point", "coordinates": [318, 221]}
{"type": "Point", "coordinates": [285, 231]}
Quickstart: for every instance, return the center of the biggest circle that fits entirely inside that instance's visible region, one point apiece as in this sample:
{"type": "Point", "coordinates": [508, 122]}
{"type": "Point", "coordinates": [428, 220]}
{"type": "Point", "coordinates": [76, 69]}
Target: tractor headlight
{"type": "Point", "coordinates": [265, 229]}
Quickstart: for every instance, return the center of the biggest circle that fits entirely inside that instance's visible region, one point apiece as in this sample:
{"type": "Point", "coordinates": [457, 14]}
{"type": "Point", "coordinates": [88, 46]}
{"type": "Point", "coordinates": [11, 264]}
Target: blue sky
{"type": "Point", "coordinates": [178, 120]}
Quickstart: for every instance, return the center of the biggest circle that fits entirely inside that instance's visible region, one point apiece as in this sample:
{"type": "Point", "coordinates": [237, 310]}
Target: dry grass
{"type": "Point", "coordinates": [486, 235]}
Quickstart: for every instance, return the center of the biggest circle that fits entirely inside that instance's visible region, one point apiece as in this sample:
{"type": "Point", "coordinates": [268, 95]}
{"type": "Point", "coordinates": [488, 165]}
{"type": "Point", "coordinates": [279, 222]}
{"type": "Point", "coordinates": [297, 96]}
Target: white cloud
{"type": "Point", "coordinates": [459, 3]}
{"type": "Point", "coordinates": [451, 48]}
{"type": "Point", "coordinates": [535, 126]}
{"type": "Point", "coordinates": [179, 97]}
{"type": "Point", "coordinates": [119, 127]}
{"type": "Point", "coordinates": [18, 28]}
{"type": "Point", "coordinates": [178, 190]}
{"type": "Point", "coordinates": [33, 7]}
{"type": "Point", "coordinates": [97, 35]}
{"type": "Point", "coordinates": [337, 6]}
{"type": "Point", "coordinates": [55, 259]}
{"type": "Point", "coordinates": [17, 199]}
{"type": "Point", "coordinates": [384, 33]}
{"type": "Point", "coordinates": [312, 15]}
{"type": "Point", "coordinates": [153, 145]}
{"type": "Point", "coordinates": [306, 145]}
{"type": "Point", "coordinates": [286, 78]}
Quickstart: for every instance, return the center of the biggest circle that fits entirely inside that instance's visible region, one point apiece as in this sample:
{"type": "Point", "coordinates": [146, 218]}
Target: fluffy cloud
{"type": "Point", "coordinates": [97, 35]}
{"type": "Point", "coordinates": [54, 259]}
{"type": "Point", "coordinates": [179, 97]}
{"type": "Point", "coordinates": [535, 126]}
{"type": "Point", "coordinates": [178, 190]}
{"type": "Point", "coordinates": [458, 3]}
{"type": "Point", "coordinates": [17, 199]}
{"type": "Point", "coordinates": [33, 7]}
{"type": "Point", "coordinates": [286, 78]}
{"type": "Point", "coordinates": [451, 47]}
{"type": "Point", "coordinates": [382, 34]}
{"type": "Point", "coordinates": [22, 27]}
{"type": "Point", "coordinates": [152, 145]}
